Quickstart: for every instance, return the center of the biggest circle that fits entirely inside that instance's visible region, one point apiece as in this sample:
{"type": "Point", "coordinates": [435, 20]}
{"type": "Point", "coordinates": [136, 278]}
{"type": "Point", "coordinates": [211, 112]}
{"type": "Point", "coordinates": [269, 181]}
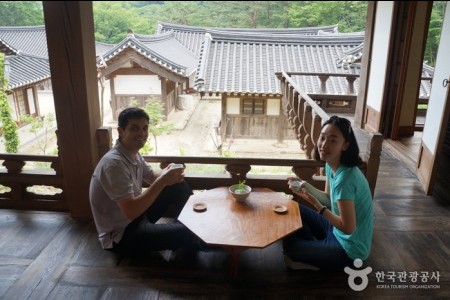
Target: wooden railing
{"type": "Point", "coordinates": [345, 103]}
{"type": "Point", "coordinates": [20, 180]}
{"type": "Point", "coordinates": [235, 169]}
{"type": "Point", "coordinates": [307, 117]}
{"type": "Point", "coordinates": [304, 114]}
{"type": "Point", "coordinates": [328, 101]}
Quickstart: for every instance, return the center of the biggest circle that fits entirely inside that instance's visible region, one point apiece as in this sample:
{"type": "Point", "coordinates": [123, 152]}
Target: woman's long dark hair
{"type": "Point", "coordinates": [350, 157]}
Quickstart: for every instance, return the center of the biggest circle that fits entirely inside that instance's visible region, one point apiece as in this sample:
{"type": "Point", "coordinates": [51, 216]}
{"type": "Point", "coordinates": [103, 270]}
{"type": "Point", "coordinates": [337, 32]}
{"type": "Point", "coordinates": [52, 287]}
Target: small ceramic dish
{"type": "Point", "coordinates": [199, 207]}
{"type": "Point", "coordinates": [240, 192]}
{"type": "Point", "coordinates": [280, 209]}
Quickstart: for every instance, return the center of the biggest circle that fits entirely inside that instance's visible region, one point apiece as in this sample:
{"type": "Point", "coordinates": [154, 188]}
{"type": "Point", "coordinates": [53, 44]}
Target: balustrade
{"type": "Point", "coordinates": [21, 183]}
{"type": "Point", "coordinates": [306, 118]}
{"type": "Point", "coordinates": [304, 114]}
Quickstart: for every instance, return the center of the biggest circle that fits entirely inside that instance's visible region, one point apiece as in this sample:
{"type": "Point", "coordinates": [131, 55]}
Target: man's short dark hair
{"type": "Point", "coordinates": [131, 113]}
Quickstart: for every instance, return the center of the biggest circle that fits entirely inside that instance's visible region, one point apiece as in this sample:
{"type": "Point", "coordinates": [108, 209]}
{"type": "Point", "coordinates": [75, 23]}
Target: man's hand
{"type": "Point", "coordinates": [172, 174]}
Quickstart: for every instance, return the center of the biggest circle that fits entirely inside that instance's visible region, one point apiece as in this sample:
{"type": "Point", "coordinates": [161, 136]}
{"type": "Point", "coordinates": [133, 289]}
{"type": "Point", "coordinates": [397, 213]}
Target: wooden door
{"type": "Point", "coordinates": [437, 114]}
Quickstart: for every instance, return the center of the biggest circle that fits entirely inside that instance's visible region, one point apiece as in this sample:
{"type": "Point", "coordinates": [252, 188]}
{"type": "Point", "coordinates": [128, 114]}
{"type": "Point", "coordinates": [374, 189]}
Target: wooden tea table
{"type": "Point", "coordinates": [256, 223]}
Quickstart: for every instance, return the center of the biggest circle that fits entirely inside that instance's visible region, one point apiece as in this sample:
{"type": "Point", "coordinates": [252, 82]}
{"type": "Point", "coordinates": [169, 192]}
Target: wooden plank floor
{"type": "Point", "coordinates": [51, 256]}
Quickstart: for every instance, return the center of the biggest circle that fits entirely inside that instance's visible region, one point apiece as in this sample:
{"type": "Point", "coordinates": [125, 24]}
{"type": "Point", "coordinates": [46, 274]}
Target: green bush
{"type": "Point", "coordinates": [9, 126]}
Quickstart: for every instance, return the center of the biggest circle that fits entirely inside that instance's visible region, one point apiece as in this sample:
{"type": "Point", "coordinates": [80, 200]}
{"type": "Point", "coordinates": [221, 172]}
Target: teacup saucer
{"type": "Point", "coordinates": [281, 209]}
{"type": "Point", "coordinates": [199, 207]}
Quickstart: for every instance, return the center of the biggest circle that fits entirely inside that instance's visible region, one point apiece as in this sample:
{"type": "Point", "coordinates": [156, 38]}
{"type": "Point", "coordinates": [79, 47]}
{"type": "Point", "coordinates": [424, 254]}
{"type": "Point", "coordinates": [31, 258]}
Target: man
{"type": "Point", "coordinates": [125, 216]}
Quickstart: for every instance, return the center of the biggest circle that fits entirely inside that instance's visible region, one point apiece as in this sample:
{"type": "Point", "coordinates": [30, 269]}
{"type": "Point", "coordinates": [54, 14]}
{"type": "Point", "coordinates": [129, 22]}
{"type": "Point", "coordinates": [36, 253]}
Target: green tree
{"type": "Point", "coordinates": [434, 32]}
{"type": "Point", "coordinates": [8, 125]}
{"type": "Point", "coordinates": [157, 126]}
{"type": "Point", "coordinates": [43, 129]}
{"type": "Point", "coordinates": [21, 13]}
{"type": "Point", "coordinates": [113, 19]}
{"type": "Point", "coordinates": [349, 15]}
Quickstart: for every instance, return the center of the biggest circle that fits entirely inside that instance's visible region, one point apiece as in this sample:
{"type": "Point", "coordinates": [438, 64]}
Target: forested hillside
{"type": "Point", "coordinates": [114, 18]}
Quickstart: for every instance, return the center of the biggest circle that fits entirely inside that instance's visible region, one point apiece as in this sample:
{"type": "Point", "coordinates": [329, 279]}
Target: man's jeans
{"type": "Point", "coordinates": [143, 236]}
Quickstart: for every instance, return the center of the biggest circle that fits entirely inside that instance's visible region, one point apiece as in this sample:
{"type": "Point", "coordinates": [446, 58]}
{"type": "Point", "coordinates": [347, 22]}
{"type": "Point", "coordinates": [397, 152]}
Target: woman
{"type": "Point", "coordinates": [332, 237]}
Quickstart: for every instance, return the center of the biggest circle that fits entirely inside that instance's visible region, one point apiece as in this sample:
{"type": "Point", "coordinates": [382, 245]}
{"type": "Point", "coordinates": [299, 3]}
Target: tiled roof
{"type": "Point", "coordinates": [192, 37]}
{"type": "Point", "coordinates": [102, 48]}
{"type": "Point", "coordinates": [27, 69]}
{"type": "Point", "coordinates": [163, 49]}
{"type": "Point", "coordinates": [28, 39]}
{"type": "Point", "coordinates": [425, 85]}
{"type": "Point", "coordinates": [227, 60]}
{"type": "Point", "coordinates": [7, 49]}
{"type": "Point", "coordinates": [246, 63]}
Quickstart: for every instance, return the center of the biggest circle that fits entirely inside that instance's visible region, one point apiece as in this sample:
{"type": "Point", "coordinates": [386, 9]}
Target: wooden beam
{"type": "Point", "coordinates": [71, 46]}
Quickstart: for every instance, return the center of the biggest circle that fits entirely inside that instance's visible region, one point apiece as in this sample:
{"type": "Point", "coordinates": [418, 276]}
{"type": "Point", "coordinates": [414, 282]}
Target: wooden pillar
{"type": "Point", "coordinates": [164, 92]}
{"type": "Point", "coordinates": [360, 115]}
{"type": "Point", "coordinates": [281, 122]}
{"type": "Point", "coordinates": [70, 38]}
{"type": "Point", "coordinates": [115, 106]}
{"type": "Point", "coordinates": [223, 118]}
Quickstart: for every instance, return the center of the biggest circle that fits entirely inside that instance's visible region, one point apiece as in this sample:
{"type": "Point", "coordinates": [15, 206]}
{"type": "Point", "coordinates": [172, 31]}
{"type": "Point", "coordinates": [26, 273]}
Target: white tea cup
{"type": "Point", "coordinates": [296, 185]}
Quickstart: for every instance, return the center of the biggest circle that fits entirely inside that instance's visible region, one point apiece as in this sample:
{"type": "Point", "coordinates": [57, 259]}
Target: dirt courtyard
{"type": "Point", "coordinates": [198, 138]}
{"type": "Point", "coordinates": [194, 135]}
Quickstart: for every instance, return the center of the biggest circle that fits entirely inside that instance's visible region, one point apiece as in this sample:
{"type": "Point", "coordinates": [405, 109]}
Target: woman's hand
{"type": "Point", "coordinates": [310, 199]}
{"type": "Point", "coordinates": [293, 178]}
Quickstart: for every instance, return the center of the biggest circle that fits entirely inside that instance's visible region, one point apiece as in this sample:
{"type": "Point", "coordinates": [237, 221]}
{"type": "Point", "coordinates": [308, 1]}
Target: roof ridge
{"type": "Point", "coordinates": [23, 28]}
{"type": "Point", "coordinates": [333, 27]}
{"type": "Point", "coordinates": [154, 56]}
{"type": "Point", "coordinates": [155, 37]}
{"type": "Point", "coordinates": [217, 35]}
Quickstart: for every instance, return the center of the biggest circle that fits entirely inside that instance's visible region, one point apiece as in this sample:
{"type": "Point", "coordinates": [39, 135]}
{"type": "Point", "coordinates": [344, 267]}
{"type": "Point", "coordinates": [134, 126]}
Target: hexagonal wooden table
{"type": "Point", "coordinates": [255, 223]}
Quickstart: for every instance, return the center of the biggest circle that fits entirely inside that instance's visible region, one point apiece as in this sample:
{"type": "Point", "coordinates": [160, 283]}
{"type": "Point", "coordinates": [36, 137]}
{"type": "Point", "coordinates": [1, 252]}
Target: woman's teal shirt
{"type": "Point", "coordinates": [351, 184]}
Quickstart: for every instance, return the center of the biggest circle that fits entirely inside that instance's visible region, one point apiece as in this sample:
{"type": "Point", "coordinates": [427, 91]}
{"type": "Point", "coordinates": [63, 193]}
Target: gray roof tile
{"type": "Point", "coordinates": [253, 59]}
{"type": "Point", "coordinates": [28, 39]}
{"type": "Point", "coordinates": [27, 69]}
{"type": "Point", "coordinates": [192, 37]}
{"type": "Point", "coordinates": [6, 48]}
{"type": "Point", "coordinates": [163, 49]}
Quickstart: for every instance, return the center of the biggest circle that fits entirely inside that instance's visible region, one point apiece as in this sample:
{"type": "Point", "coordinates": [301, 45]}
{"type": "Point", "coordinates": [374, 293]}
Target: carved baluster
{"type": "Point", "coordinates": [300, 114]}
{"type": "Point", "coordinates": [308, 124]}
{"type": "Point", "coordinates": [14, 166]}
{"type": "Point", "coordinates": [316, 127]}
{"type": "Point", "coordinates": [56, 165]}
{"type": "Point", "coordinates": [290, 105]}
{"type": "Point", "coordinates": [104, 140]}
{"type": "Point", "coordinates": [17, 191]}
{"type": "Point", "coordinates": [351, 84]}
{"type": "Point", "coordinates": [238, 172]}
{"type": "Point", "coordinates": [296, 120]}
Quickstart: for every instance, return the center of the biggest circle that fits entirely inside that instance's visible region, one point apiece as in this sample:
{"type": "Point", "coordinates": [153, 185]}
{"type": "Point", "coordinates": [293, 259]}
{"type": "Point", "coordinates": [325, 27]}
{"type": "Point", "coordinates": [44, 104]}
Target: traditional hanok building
{"type": "Point", "coordinates": [141, 67]}
{"type": "Point", "coordinates": [26, 69]}
{"type": "Point", "coordinates": [240, 65]}
{"type": "Point", "coordinates": [389, 81]}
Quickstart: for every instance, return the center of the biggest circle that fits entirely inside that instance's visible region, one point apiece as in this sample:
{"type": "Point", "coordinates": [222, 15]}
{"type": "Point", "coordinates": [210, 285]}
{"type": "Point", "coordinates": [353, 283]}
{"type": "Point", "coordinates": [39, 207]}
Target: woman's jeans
{"type": "Point", "coordinates": [143, 236]}
{"type": "Point", "coordinates": [315, 243]}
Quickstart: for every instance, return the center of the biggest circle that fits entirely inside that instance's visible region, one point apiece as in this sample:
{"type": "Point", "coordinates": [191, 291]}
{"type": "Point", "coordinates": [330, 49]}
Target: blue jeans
{"type": "Point", "coordinates": [315, 243]}
{"type": "Point", "coordinates": [142, 235]}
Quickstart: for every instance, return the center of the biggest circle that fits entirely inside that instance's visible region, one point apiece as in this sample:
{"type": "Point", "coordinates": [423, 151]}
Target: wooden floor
{"type": "Point", "coordinates": [51, 256]}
